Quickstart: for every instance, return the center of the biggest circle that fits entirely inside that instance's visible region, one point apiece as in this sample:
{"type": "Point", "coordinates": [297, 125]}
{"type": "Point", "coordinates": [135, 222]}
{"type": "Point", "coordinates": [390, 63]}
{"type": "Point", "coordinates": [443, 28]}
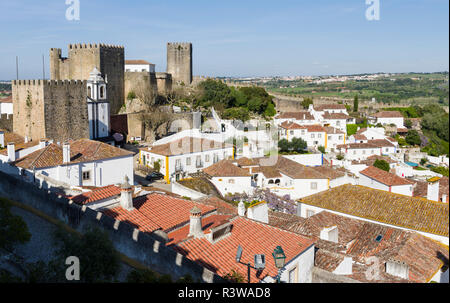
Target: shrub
{"type": "Point", "coordinates": [382, 164]}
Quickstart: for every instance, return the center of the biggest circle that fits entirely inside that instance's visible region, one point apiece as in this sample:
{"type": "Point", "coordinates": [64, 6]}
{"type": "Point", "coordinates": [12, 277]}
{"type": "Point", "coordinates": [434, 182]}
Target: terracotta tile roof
{"type": "Point", "coordinates": [137, 62]}
{"type": "Point", "coordinates": [19, 142]}
{"type": "Point", "coordinates": [296, 170]}
{"type": "Point", "coordinates": [371, 160]}
{"type": "Point", "coordinates": [402, 130]}
{"type": "Point", "coordinates": [96, 195]}
{"type": "Point", "coordinates": [225, 168]}
{"type": "Point", "coordinates": [328, 172]}
{"type": "Point", "coordinates": [247, 162]}
{"type": "Point", "coordinates": [380, 143]}
{"type": "Point", "coordinates": [388, 114]}
{"type": "Point", "coordinates": [335, 116]}
{"type": "Point", "coordinates": [6, 100]}
{"type": "Point", "coordinates": [295, 115]}
{"type": "Point", "coordinates": [254, 238]}
{"type": "Point", "coordinates": [384, 207]}
{"type": "Point", "coordinates": [360, 137]}
{"type": "Point", "coordinates": [356, 239]}
{"type": "Point", "coordinates": [290, 125]}
{"type": "Point", "coordinates": [332, 130]}
{"type": "Point", "coordinates": [329, 106]}
{"type": "Point", "coordinates": [222, 206]}
{"type": "Point", "coordinates": [269, 172]}
{"type": "Point", "coordinates": [314, 128]}
{"type": "Point", "coordinates": [157, 211]}
{"type": "Point", "coordinates": [83, 150]}
{"type": "Point", "coordinates": [208, 223]}
{"type": "Point", "coordinates": [384, 177]}
{"type": "Point", "coordinates": [186, 145]}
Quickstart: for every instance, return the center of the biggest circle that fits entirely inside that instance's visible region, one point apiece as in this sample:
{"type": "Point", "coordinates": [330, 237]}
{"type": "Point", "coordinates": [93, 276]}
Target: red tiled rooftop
{"type": "Point", "coordinates": [254, 238]}
{"type": "Point", "coordinates": [384, 177]}
{"type": "Point", "coordinates": [96, 195]}
{"type": "Point", "coordinates": [157, 211]}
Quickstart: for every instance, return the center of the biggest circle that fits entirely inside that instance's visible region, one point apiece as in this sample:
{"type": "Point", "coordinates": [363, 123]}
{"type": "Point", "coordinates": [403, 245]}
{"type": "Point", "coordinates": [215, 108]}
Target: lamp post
{"type": "Point", "coordinates": [280, 260]}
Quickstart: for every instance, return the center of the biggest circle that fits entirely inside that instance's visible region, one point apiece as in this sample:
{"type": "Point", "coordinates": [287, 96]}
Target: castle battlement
{"type": "Point", "coordinates": [94, 45]}
{"type": "Point", "coordinates": [184, 44]}
{"type": "Point", "coordinates": [41, 82]}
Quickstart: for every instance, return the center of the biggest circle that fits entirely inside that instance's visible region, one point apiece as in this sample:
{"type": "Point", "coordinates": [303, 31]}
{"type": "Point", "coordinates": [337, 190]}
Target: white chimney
{"type": "Point", "coordinates": [126, 195]}
{"type": "Point", "coordinates": [259, 212]}
{"type": "Point", "coordinates": [2, 139]}
{"type": "Point", "coordinates": [433, 189]}
{"type": "Point", "coordinates": [66, 152]}
{"type": "Point", "coordinates": [444, 198]}
{"type": "Point", "coordinates": [26, 139]}
{"type": "Point", "coordinates": [241, 209]}
{"type": "Point", "coordinates": [330, 234]}
{"type": "Point", "coordinates": [345, 267]}
{"type": "Point", "coordinates": [397, 269]}
{"type": "Point", "coordinates": [195, 223]}
{"type": "Point", "coordinates": [11, 152]}
{"type": "Point", "coordinates": [42, 143]}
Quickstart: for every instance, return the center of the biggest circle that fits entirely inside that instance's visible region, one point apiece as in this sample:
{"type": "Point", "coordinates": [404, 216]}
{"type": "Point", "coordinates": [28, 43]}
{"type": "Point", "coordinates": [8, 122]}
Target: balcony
{"type": "Point", "coordinates": [199, 165]}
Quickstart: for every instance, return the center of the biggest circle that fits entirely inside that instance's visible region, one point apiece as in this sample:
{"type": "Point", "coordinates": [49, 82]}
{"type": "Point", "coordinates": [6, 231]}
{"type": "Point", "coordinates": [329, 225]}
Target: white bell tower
{"type": "Point", "coordinates": [98, 106]}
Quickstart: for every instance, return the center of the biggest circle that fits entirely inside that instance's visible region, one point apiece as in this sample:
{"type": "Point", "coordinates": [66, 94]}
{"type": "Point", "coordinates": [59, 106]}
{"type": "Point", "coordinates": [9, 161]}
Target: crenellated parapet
{"type": "Point", "coordinates": [94, 45]}
{"type": "Point", "coordinates": [40, 82]}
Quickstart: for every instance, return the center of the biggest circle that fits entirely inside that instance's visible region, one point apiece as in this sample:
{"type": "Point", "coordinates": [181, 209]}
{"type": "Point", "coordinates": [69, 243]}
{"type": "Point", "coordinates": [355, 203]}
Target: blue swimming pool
{"type": "Point", "coordinates": [412, 164]}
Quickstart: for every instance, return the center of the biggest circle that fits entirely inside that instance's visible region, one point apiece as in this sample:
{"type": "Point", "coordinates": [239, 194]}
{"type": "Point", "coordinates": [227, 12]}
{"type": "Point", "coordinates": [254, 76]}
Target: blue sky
{"type": "Point", "coordinates": [236, 38]}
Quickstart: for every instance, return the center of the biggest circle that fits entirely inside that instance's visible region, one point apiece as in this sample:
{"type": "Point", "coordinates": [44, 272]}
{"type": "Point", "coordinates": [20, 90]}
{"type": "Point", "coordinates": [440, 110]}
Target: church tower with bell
{"type": "Point", "coordinates": [98, 106]}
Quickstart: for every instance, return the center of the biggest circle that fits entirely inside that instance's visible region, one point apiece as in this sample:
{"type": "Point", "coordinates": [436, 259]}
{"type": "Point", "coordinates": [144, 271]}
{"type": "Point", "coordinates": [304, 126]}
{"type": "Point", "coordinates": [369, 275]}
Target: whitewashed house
{"type": "Point", "coordinates": [335, 137]}
{"type": "Point", "coordinates": [139, 66]}
{"type": "Point", "coordinates": [179, 158]}
{"type": "Point", "coordinates": [6, 106]}
{"type": "Point", "coordinates": [300, 118]}
{"type": "Point", "coordinates": [313, 135]}
{"type": "Point", "coordinates": [376, 178]}
{"type": "Point", "coordinates": [14, 146]}
{"type": "Point", "coordinates": [228, 178]}
{"type": "Point", "coordinates": [388, 118]}
{"type": "Point", "coordinates": [82, 162]}
{"type": "Point", "coordinates": [361, 151]}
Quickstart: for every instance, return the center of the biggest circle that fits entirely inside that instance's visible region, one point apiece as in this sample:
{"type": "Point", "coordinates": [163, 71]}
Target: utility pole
{"type": "Point", "coordinates": [17, 67]}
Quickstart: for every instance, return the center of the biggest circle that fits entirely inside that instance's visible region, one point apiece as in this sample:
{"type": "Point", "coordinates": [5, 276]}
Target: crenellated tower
{"type": "Point", "coordinates": [179, 62]}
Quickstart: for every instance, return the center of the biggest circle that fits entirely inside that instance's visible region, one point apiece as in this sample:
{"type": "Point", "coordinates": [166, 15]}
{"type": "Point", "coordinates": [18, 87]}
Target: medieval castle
{"type": "Point", "coordinates": [58, 108]}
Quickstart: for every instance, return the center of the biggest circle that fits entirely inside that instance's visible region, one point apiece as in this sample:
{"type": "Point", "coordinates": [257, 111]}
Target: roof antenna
{"type": "Point", "coordinates": [17, 67]}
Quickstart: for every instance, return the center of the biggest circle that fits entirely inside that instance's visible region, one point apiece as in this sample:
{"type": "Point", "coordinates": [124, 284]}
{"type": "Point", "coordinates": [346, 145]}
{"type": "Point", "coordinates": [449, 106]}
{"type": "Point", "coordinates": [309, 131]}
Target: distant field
{"type": "Point", "coordinates": [397, 89]}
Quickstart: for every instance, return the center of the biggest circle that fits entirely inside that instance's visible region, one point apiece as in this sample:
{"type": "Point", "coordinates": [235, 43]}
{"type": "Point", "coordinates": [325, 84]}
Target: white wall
{"type": "Point", "coordinates": [6, 108]}
{"type": "Point", "coordinates": [303, 264]}
{"type": "Point", "coordinates": [184, 191]}
{"type": "Point", "coordinates": [102, 173]}
{"type": "Point", "coordinates": [406, 190]}
{"type": "Point", "coordinates": [386, 121]}
{"type": "Point", "coordinates": [307, 159]}
{"type": "Point", "coordinates": [140, 67]}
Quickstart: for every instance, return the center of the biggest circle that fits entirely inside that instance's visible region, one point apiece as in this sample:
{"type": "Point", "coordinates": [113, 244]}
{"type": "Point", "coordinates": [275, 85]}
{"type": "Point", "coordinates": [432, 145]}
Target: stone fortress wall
{"type": "Point", "coordinates": [81, 60]}
{"type": "Point", "coordinates": [54, 109]}
{"type": "Point", "coordinates": [147, 248]}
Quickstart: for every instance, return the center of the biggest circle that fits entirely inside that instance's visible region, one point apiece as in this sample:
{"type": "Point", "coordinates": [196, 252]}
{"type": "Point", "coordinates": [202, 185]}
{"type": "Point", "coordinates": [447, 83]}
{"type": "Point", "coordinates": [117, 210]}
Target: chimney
{"type": "Point", "coordinates": [42, 143]}
{"type": "Point", "coordinates": [11, 152]}
{"type": "Point", "coordinates": [2, 139]}
{"type": "Point", "coordinates": [195, 223]}
{"type": "Point", "coordinates": [398, 269]}
{"type": "Point", "coordinates": [259, 212]}
{"type": "Point", "coordinates": [126, 195]}
{"type": "Point", "coordinates": [241, 209]}
{"type": "Point", "coordinates": [66, 152]}
{"type": "Point", "coordinates": [433, 189]}
{"type": "Point", "coordinates": [444, 198]}
{"type": "Point", "coordinates": [26, 139]}
{"type": "Point", "coordinates": [330, 234]}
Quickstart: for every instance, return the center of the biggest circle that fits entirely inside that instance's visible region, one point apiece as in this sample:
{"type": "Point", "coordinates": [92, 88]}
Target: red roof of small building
{"type": "Point", "coordinates": [157, 211]}
{"type": "Point", "coordinates": [388, 114]}
{"type": "Point", "coordinates": [254, 238]}
{"type": "Point", "coordinates": [295, 115]}
{"type": "Point", "coordinates": [96, 195]}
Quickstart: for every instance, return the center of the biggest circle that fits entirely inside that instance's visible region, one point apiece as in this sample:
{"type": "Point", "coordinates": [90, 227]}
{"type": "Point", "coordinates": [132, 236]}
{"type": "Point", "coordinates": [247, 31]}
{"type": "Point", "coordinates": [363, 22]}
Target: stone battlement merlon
{"type": "Point", "coordinates": [94, 45]}
{"type": "Point", "coordinates": [179, 44]}
{"type": "Point", "coordinates": [41, 82]}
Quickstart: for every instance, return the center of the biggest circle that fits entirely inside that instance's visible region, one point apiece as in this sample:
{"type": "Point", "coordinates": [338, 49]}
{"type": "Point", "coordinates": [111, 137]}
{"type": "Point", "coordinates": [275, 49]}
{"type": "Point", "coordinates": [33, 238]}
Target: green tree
{"type": "Point", "coordinates": [413, 138]}
{"type": "Point", "coordinates": [284, 145]}
{"type": "Point", "coordinates": [298, 145]}
{"type": "Point", "coordinates": [13, 229]}
{"type": "Point", "coordinates": [306, 102]}
{"type": "Point", "coordinates": [408, 123]}
{"type": "Point", "coordinates": [382, 164]}
{"type": "Point", "coordinates": [322, 149]}
{"type": "Point", "coordinates": [355, 104]}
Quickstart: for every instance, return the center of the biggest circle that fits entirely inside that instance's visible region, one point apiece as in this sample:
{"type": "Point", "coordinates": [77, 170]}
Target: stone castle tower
{"type": "Point", "coordinates": [53, 109]}
{"type": "Point", "coordinates": [179, 62]}
{"type": "Point", "coordinates": [83, 58]}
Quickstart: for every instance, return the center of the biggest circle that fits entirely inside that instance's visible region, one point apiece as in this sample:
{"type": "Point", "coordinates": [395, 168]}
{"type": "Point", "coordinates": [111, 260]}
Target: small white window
{"type": "Point", "coordinates": [206, 158]}
{"type": "Point", "coordinates": [312, 136]}
{"type": "Point", "coordinates": [188, 161]}
{"type": "Point", "coordinates": [313, 185]}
